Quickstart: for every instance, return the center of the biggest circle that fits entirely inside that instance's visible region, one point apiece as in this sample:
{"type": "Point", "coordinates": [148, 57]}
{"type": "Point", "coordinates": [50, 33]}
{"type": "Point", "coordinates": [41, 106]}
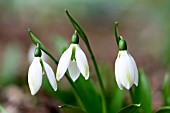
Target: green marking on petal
{"type": "Point", "coordinates": [42, 66]}
{"type": "Point", "coordinates": [128, 77]}
{"type": "Point", "coordinates": [73, 55]}
{"type": "Point", "coordinates": [87, 70]}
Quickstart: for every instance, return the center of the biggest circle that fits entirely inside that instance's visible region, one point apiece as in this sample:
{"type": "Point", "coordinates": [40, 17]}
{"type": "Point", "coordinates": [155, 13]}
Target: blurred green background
{"type": "Point", "coordinates": [144, 24]}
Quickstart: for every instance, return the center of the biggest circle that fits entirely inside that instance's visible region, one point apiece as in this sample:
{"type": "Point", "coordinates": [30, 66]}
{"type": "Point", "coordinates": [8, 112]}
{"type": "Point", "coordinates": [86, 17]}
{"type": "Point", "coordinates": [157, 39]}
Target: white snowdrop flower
{"type": "Point", "coordinates": [36, 70]}
{"type": "Point", "coordinates": [126, 71]}
{"type": "Point", "coordinates": [74, 60]}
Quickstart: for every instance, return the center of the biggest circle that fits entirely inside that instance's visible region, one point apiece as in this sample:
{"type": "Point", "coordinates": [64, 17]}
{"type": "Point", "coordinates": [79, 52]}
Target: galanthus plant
{"type": "Point", "coordinates": [88, 98]}
{"type": "Point", "coordinates": [126, 71]}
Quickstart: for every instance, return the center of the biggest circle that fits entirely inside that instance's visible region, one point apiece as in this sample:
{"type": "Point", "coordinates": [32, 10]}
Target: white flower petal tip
{"type": "Point", "coordinates": [126, 72]}
{"type": "Point", "coordinates": [35, 76]}
{"type": "Point", "coordinates": [57, 77]}
{"type": "Point", "coordinates": [75, 61]}
{"type": "Point", "coordinates": [136, 84]}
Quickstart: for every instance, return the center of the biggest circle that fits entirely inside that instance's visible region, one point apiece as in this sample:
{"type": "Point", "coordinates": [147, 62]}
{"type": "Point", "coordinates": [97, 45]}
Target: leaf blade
{"type": "Point", "coordinates": [143, 93]}
{"type": "Point", "coordinates": [165, 109]}
{"type": "Point", "coordinates": [166, 90]}
{"type": "Point", "coordinates": [70, 109]}
{"type": "Point", "coordinates": [134, 108]}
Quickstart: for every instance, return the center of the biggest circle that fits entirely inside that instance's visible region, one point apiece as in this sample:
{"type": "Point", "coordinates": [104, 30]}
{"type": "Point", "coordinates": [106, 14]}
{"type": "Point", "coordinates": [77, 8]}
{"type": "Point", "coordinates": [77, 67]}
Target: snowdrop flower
{"type": "Point", "coordinates": [74, 60]}
{"type": "Point", "coordinates": [126, 71]}
{"type": "Point", "coordinates": [36, 70]}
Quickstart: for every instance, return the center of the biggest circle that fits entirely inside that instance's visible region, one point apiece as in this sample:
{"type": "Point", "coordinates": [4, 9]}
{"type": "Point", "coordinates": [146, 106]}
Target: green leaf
{"type": "Point", "coordinates": [71, 109]}
{"type": "Point", "coordinates": [134, 108]}
{"type": "Point", "coordinates": [2, 110]}
{"type": "Point", "coordinates": [165, 109]}
{"type": "Point", "coordinates": [143, 93]}
{"type": "Point", "coordinates": [166, 90]}
{"type": "Point", "coordinates": [117, 101]}
{"type": "Point", "coordinates": [90, 97]}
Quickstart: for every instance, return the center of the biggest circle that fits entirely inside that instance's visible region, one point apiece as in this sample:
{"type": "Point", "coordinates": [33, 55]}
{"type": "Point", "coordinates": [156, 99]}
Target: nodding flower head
{"type": "Point", "coordinates": [36, 70]}
{"type": "Point", "coordinates": [74, 60]}
{"type": "Point", "coordinates": [126, 71]}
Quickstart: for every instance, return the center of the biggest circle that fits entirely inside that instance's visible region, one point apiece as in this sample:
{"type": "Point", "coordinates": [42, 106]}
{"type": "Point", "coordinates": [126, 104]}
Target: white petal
{"type": "Point", "coordinates": [35, 76]}
{"type": "Point", "coordinates": [50, 74]}
{"type": "Point", "coordinates": [64, 63]}
{"type": "Point", "coordinates": [135, 70]}
{"type": "Point", "coordinates": [82, 62]}
{"type": "Point", "coordinates": [117, 74]}
{"type": "Point", "coordinates": [73, 71]}
{"type": "Point", "coordinates": [126, 68]}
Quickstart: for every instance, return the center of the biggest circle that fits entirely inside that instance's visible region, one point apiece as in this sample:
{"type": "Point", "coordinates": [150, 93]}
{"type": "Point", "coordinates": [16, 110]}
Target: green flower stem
{"type": "Point", "coordinates": [117, 33]}
{"type": "Point", "coordinates": [85, 39]}
{"type": "Point", "coordinates": [132, 96]}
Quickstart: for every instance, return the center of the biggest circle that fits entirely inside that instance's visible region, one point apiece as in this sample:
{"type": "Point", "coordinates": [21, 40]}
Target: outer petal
{"type": "Point", "coordinates": [73, 70]}
{"type": "Point", "coordinates": [50, 74]}
{"type": "Point", "coordinates": [35, 76]}
{"type": "Point", "coordinates": [117, 74]}
{"type": "Point", "coordinates": [64, 63]}
{"type": "Point", "coordinates": [126, 67]}
{"type": "Point", "coordinates": [82, 62]}
{"type": "Point", "coordinates": [135, 70]}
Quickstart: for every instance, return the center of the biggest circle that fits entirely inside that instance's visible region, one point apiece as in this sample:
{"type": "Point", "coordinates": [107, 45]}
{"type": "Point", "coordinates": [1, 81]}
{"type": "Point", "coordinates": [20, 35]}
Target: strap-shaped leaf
{"type": "Point", "coordinates": [90, 97]}
{"type": "Point", "coordinates": [134, 108]}
{"type": "Point", "coordinates": [71, 109]}
{"type": "Point", "coordinates": [143, 93]}
{"type": "Point", "coordinates": [117, 101]}
{"type": "Point", "coordinates": [164, 110]}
